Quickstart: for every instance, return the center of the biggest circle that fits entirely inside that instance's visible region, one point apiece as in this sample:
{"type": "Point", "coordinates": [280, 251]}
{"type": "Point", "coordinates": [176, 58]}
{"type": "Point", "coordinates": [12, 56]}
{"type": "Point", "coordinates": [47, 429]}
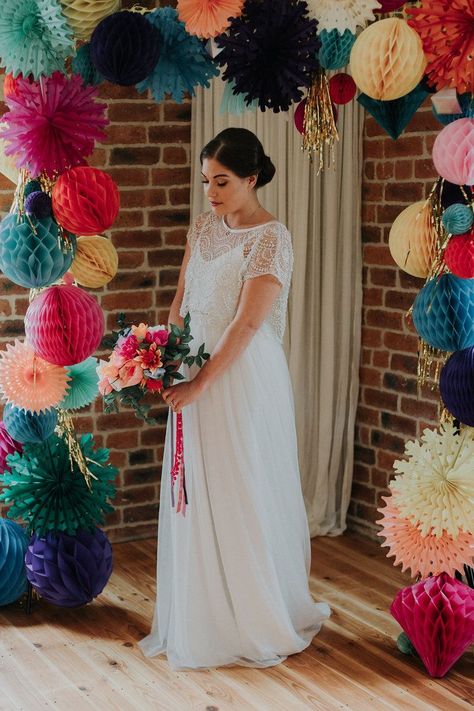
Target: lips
{"type": "Point", "coordinates": [214, 204]}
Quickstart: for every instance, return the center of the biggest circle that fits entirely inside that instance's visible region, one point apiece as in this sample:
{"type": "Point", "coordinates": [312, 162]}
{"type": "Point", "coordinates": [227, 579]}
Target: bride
{"type": "Point", "coordinates": [232, 573]}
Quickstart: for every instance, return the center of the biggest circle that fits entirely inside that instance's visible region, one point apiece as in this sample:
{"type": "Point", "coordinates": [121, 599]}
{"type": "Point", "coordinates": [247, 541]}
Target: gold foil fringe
{"type": "Point", "coordinates": [320, 132]}
{"type": "Point", "coordinates": [65, 429]}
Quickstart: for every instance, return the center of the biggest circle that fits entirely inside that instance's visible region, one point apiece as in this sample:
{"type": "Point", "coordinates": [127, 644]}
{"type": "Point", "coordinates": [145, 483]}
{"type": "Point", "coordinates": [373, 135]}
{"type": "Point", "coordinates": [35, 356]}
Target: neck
{"type": "Point", "coordinates": [245, 216]}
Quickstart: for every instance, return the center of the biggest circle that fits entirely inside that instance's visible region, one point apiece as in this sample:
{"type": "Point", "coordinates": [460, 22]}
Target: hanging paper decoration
{"type": "Point", "coordinates": [7, 446]}
{"type": "Point", "coordinates": [390, 5]}
{"type": "Point", "coordinates": [84, 15]}
{"type": "Point", "coordinates": [33, 253]}
{"type": "Point", "coordinates": [47, 490]}
{"type": "Point", "coordinates": [443, 313]}
{"type": "Point", "coordinates": [446, 29]}
{"type": "Point", "coordinates": [64, 325]}
{"type": "Point", "coordinates": [86, 200]}
{"type": "Point", "coordinates": [436, 491]}
{"type": "Point", "coordinates": [28, 381]}
{"type": "Point", "coordinates": [31, 186]}
{"type": "Point", "coordinates": [82, 386]}
{"type": "Point", "coordinates": [424, 555]}
{"type": "Point", "coordinates": [387, 60]}
{"type": "Point", "coordinates": [458, 219]}
{"type": "Point", "coordinates": [38, 205]}
{"type": "Point", "coordinates": [69, 571]}
{"type": "Point", "coordinates": [270, 53]}
{"type": "Point", "coordinates": [343, 14]}
{"type": "Point", "coordinates": [13, 545]}
{"type": "Point", "coordinates": [319, 126]}
{"type": "Point", "coordinates": [54, 124]}
{"type": "Point", "coordinates": [208, 18]}
{"type": "Point", "coordinates": [10, 84]}
{"type": "Point", "coordinates": [335, 48]}
{"type": "Point", "coordinates": [234, 103]}
{"type": "Point", "coordinates": [183, 63]}
{"type": "Point", "coordinates": [299, 116]}
{"type": "Point", "coordinates": [453, 152]}
{"type": "Point", "coordinates": [82, 65]}
{"type": "Point", "coordinates": [459, 255]}
{"type": "Point", "coordinates": [413, 239]}
{"type": "Point", "coordinates": [96, 261]}
{"type": "Point", "coordinates": [125, 48]}
{"type": "Point", "coordinates": [395, 115]}
{"type": "Point", "coordinates": [456, 385]}
{"type": "Point", "coordinates": [437, 614]}
{"type": "Point", "coordinates": [28, 427]}
{"type": "Point", "coordinates": [342, 88]}
{"type": "Point", "coordinates": [34, 37]}
{"type": "Point", "coordinates": [449, 193]}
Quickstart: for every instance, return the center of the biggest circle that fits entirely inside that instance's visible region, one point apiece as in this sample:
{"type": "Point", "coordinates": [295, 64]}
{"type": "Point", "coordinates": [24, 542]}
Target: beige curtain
{"type": "Point", "coordinates": [323, 335]}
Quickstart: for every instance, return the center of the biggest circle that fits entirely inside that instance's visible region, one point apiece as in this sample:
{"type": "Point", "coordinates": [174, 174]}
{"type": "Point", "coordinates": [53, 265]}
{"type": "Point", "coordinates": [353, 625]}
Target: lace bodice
{"type": "Point", "coordinates": [223, 258]}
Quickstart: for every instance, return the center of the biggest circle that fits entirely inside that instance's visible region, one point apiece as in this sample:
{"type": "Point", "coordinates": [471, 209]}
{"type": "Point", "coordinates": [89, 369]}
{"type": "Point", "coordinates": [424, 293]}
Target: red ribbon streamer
{"type": "Point", "coordinates": [177, 470]}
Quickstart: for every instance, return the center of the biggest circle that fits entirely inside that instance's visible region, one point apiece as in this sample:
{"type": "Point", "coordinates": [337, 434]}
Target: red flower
{"type": "Point", "coordinates": [159, 337]}
{"type": "Point", "coordinates": [149, 359]}
{"type": "Point", "coordinates": [154, 385]}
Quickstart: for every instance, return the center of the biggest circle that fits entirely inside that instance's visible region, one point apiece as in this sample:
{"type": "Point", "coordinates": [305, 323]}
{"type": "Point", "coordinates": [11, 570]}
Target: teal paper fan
{"type": "Point", "coordinates": [82, 64]}
{"type": "Point", "coordinates": [235, 103]}
{"type": "Point", "coordinates": [83, 386]}
{"type": "Point", "coordinates": [34, 37]}
{"type": "Point", "coordinates": [50, 495]}
{"type": "Point", "coordinates": [394, 116]}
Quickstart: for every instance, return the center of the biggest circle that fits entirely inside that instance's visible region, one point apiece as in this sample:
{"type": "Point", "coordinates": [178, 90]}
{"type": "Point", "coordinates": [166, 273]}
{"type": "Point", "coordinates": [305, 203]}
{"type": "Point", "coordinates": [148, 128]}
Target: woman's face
{"type": "Point", "coordinates": [225, 191]}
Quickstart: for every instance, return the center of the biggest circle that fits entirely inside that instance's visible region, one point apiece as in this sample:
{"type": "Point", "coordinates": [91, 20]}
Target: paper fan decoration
{"type": "Point", "coordinates": [34, 37]}
{"type": "Point", "coordinates": [83, 385]}
{"type": "Point", "coordinates": [183, 63]}
{"type": "Point", "coordinates": [446, 28]}
{"type": "Point", "coordinates": [436, 491]}
{"type": "Point", "coordinates": [234, 103]}
{"type": "Point", "coordinates": [28, 381]}
{"type": "Point", "coordinates": [270, 53]}
{"type": "Point", "coordinates": [96, 261]}
{"type": "Point", "coordinates": [394, 116]}
{"type": "Point", "coordinates": [54, 124]}
{"type": "Point", "coordinates": [343, 14]}
{"type": "Point", "coordinates": [413, 239]}
{"type": "Point", "coordinates": [84, 15]}
{"type": "Point", "coordinates": [424, 555]}
{"type": "Point", "coordinates": [82, 64]}
{"type": "Point", "coordinates": [48, 491]}
{"type": "Point", "coordinates": [208, 18]}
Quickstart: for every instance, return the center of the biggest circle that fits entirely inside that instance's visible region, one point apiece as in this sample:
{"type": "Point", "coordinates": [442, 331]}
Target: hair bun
{"type": "Point", "coordinates": [266, 172]}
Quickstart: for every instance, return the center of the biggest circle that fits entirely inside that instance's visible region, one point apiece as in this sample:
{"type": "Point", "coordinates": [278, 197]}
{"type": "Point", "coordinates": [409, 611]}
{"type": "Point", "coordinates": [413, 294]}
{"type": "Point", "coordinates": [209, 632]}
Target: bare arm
{"type": "Point", "coordinates": [174, 316]}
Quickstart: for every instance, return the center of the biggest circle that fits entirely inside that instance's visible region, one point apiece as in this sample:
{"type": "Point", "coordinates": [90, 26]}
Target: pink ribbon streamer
{"type": "Point", "coordinates": [177, 470]}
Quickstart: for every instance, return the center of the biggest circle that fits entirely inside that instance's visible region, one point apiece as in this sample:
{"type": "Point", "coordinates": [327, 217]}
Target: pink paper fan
{"type": "Point", "coordinates": [208, 18]}
{"type": "Point", "coordinates": [423, 554]}
{"type": "Point", "coordinates": [28, 381]}
{"type": "Point", "coordinates": [53, 123]}
{"type": "Point", "coordinates": [7, 446]}
{"type": "Point", "coordinates": [437, 615]}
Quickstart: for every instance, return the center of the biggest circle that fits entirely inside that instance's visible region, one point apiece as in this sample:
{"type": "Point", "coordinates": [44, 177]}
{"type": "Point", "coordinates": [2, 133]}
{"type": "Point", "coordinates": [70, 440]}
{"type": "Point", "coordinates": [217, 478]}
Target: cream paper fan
{"type": "Point", "coordinates": [343, 14]}
{"type": "Point", "coordinates": [435, 486]}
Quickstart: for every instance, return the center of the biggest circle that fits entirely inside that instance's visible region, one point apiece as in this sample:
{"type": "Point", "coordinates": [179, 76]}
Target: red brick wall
{"type": "Point", "coordinates": [395, 174]}
{"type": "Point", "coordinates": [148, 154]}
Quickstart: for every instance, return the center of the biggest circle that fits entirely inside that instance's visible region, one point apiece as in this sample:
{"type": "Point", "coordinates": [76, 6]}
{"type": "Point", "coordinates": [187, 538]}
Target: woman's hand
{"type": "Point", "coordinates": [182, 394]}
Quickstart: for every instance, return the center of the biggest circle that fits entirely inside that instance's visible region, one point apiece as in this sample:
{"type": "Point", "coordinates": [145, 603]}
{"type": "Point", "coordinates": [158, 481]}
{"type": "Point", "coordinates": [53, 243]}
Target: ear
{"type": "Point", "coordinates": [252, 181]}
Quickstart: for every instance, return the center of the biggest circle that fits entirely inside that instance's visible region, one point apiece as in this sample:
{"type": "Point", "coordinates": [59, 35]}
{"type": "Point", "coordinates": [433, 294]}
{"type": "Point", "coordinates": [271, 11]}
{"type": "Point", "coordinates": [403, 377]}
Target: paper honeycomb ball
{"type": "Point", "coordinates": [26, 426]}
{"type": "Point", "coordinates": [125, 48]}
{"type": "Point", "coordinates": [342, 88]}
{"type": "Point", "coordinates": [335, 48]}
{"type": "Point", "coordinates": [458, 219]}
{"type": "Point", "coordinates": [13, 544]}
{"type": "Point", "coordinates": [390, 5]}
{"type": "Point", "coordinates": [32, 253]}
{"type": "Point", "coordinates": [7, 446]}
{"type": "Point", "coordinates": [437, 614]}
{"type": "Point", "coordinates": [453, 152]}
{"type": "Point", "coordinates": [84, 15]}
{"type": "Point", "coordinates": [459, 255]}
{"type": "Point", "coordinates": [413, 239]}
{"type": "Point", "coordinates": [443, 313]}
{"type": "Point", "coordinates": [456, 385]}
{"type": "Point", "coordinates": [387, 59]}
{"type": "Point", "coordinates": [69, 571]}
{"type": "Point", "coordinates": [64, 325]}
{"type": "Point", "coordinates": [96, 261]}
{"type": "Point", "coordinates": [86, 200]}
{"type": "Point", "coordinates": [38, 204]}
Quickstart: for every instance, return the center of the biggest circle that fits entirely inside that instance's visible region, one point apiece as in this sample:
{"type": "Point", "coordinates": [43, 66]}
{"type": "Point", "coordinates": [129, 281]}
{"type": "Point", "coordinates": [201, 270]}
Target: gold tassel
{"type": "Point", "coordinates": [65, 429]}
{"type": "Point", "coordinates": [430, 362]}
{"type": "Point", "coordinates": [320, 130]}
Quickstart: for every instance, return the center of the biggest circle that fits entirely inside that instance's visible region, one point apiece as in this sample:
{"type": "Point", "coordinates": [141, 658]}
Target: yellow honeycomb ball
{"type": "Point", "coordinates": [96, 261]}
{"type": "Point", "coordinates": [413, 239]}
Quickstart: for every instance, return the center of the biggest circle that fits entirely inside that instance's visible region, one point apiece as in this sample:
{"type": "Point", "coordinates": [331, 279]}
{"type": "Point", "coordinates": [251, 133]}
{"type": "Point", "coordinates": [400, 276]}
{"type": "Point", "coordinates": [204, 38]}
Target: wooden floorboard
{"type": "Point", "coordinates": [88, 658]}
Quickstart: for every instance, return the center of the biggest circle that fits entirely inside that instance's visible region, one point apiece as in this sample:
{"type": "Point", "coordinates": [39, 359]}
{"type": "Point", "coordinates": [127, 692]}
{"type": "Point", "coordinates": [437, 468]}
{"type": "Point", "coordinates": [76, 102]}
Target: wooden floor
{"type": "Point", "coordinates": [88, 658]}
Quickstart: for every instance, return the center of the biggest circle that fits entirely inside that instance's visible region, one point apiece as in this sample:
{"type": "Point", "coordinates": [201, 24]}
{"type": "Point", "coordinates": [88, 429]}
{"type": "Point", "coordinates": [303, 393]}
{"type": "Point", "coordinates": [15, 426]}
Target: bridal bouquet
{"type": "Point", "coordinates": [144, 359]}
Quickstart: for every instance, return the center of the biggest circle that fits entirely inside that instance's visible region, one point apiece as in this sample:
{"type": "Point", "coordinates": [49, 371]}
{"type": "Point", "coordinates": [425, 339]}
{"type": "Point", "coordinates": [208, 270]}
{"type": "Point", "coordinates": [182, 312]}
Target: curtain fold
{"type": "Point", "coordinates": [324, 315]}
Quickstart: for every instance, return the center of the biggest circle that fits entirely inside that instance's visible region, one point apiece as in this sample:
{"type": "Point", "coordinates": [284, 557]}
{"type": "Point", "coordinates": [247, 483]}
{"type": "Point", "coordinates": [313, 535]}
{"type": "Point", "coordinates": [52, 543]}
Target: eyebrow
{"type": "Point", "coordinates": [219, 175]}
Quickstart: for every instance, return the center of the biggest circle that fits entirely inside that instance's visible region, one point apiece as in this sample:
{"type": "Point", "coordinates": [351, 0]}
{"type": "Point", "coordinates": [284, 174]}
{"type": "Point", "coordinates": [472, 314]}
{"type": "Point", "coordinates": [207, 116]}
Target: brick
{"type": "Point", "coordinates": [130, 300]}
{"type": "Point", "coordinates": [397, 192]}
{"type": "Point", "coordinates": [148, 155]}
{"type": "Point", "coordinates": [175, 237]}
{"type": "Point", "coordinates": [5, 307]}
{"type": "Point", "coordinates": [147, 512]}
{"type": "Point", "coordinates": [129, 259]}
{"type": "Point", "coordinates": [135, 112]}
{"type": "Point", "coordinates": [377, 255]}
{"type": "Point", "coordinates": [385, 460]}
{"type": "Point", "coordinates": [364, 454]}
{"type": "Point", "coordinates": [380, 359]}
{"type": "Point", "coordinates": [371, 233]}
{"type": "Point", "coordinates": [399, 300]}
{"type": "Point", "coordinates": [399, 383]}
{"type": "Point", "coordinates": [383, 277]}
{"type": "Point", "coordinates": [171, 176]}
{"type": "Point", "coordinates": [419, 408]}
{"type": "Point", "coordinates": [141, 456]}
{"type": "Point", "coordinates": [139, 239]}
{"type": "Point", "coordinates": [129, 218]}
{"type": "Point", "coordinates": [169, 134]}
{"type": "Point", "coordinates": [360, 492]}
{"type": "Point", "coordinates": [361, 473]}
{"type": "Point", "coordinates": [382, 318]}
{"type": "Point", "coordinates": [180, 196]}
{"type": "Point", "coordinates": [165, 257]}
{"type": "Point", "coordinates": [142, 475]}
{"type": "Point", "coordinates": [379, 478]}
{"type": "Point", "coordinates": [385, 440]}
{"type": "Point", "coordinates": [143, 198]}
{"type": "Point", "coordinates": [380, 399]}
{"type": "Point", "coordinates": [136, 495]}
{"type": "Point", "coordinates": [404, 362]}
{"type": "Point", "coordinates": [370, 376]}
{"type": "Point", "coordinates": [174, 155]}
{"type": "Point", "coordinates": [122, 440]}
{"type": "Point", "coordinates": [397, 423]}
{"type": "Point", "coordinates": [134, 280]}
{"type": "Point", "coordinates": [130, 176]}
{"type": "Point", "coordinates": [11, 328]}
{"type": "Point", "coordinates": [124, 420]}
{"type": "Point", "coordinates": [168, 277]}
{"type": "Point", "coordinates": [168, 218]}
{"type": "Point", "coordinates": [127, 135]}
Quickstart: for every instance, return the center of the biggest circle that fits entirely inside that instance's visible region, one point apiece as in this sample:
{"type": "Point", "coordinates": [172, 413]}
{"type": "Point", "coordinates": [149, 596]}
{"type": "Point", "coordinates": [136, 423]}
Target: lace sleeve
{"type": "Point", "coordinates": [196, 228]}
{"type": "Point", "coordinates": [272, 254]}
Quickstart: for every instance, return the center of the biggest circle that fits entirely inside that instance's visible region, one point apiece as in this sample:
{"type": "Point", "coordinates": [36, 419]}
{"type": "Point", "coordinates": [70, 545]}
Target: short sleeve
{"type": "Point", "coordinates": [195, 229]}
{"type": "Point", "coordinates": [272, 254]}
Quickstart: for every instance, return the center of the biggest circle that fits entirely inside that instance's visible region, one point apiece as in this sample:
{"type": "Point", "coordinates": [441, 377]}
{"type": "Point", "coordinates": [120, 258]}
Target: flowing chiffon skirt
{"type": "Point", "coordinates": [232, 574]}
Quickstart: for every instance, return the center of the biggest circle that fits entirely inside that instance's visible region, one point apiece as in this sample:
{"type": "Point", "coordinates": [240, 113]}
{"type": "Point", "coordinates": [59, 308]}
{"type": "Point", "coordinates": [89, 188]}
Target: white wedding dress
{"type": "Point", "coordinates": [233, 571]}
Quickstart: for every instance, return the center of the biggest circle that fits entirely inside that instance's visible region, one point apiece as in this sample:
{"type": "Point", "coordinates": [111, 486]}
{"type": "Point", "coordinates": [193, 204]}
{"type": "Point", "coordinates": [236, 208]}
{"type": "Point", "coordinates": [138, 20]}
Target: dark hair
{"type": "Point", "coordinates": [240, 151]}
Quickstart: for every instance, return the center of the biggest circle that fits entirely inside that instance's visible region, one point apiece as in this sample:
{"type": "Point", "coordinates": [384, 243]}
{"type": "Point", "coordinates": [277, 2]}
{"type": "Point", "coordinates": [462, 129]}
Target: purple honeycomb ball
{"type": "Point", "coordinates": [38, 204]}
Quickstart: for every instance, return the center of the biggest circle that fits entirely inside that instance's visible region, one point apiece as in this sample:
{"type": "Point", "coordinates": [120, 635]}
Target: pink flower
{"type": "Point", "coordinates": [105, 387]}
{"type": "Point", "coordinates": [130, 374]}
{"type": "Point", "coordinates": [139, 331]}
{"type": "Point", "coordinates": [127, 346]}
{"type": "Point", "coordinates": [159, 337]}
{"type": "Point", "coordinates": [149, 359]}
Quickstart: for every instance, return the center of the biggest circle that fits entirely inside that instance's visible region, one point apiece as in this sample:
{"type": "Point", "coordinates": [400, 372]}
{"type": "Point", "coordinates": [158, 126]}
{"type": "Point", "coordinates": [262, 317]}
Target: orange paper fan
{"type": "Point", "coordinates": [208, 18]}
{"type": "Point", "coordinates": [423, 554]}
{"type": "Point", "coordinates": [28, 381]}
{"type": "Point", "coordinates": [446, 28]}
